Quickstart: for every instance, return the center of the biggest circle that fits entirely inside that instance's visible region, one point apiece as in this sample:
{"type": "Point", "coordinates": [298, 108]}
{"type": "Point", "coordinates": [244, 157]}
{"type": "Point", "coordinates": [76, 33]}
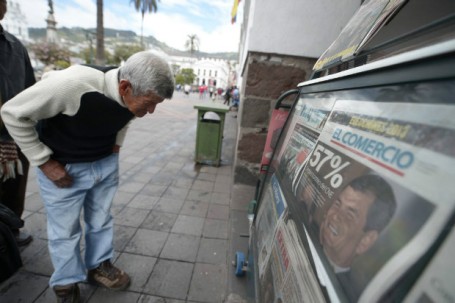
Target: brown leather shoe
{"type": "Point", "coordinates": [67, 293]}
{"type": "Point", "coordinates": [108, 276]}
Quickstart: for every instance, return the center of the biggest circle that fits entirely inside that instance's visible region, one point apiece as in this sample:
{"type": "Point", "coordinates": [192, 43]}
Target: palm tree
{"type": "Point", "coordinates": [99, 33]}
{"type": "Point", "coordinates": [192, 44]}
{"type": "Point", "coordinates": [144, 6]}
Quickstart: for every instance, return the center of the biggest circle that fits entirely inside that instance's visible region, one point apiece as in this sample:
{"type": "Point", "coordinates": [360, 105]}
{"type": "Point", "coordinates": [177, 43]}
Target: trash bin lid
{"type": "Point", "coordinates": [213, 107]}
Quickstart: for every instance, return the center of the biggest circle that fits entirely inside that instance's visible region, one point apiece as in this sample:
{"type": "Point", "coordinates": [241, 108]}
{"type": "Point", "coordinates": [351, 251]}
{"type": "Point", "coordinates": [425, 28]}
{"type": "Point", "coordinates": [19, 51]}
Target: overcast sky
{"type": "Point", "coordinates": [210, 20]}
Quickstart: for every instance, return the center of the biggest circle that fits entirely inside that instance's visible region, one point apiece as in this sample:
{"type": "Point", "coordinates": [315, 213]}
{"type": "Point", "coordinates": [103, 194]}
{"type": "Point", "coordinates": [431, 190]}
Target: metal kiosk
{"type": "Point", "coordinates": [209, 133]}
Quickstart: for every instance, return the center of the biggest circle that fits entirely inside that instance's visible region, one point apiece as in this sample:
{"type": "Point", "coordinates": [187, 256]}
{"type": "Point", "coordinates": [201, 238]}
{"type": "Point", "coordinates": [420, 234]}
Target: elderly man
{"type": "Point", "coordinates": [82, 114]}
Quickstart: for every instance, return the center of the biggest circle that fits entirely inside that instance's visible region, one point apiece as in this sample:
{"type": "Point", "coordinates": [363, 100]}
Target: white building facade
{"type": "Point", "coordinates": [217, 73]}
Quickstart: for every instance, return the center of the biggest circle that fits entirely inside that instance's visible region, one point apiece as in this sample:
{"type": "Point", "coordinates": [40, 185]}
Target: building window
{"type": "Point", "coordinates": [210, 73]}
{"type": "Point", "coordinates": [216, 73]}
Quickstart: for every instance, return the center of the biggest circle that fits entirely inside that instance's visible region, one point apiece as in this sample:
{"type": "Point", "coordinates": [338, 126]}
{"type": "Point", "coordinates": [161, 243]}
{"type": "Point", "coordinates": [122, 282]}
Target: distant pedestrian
{"type": "Point", "coordinates": [227, 96]}
{"type": "Point", "coordinates": [201, 92]}
{"type": "Point", "coordinates": [235, 97]}
{"type": "Point", "coordinates": [187, 89]}
{"type": "Point", "coordinates": [83, 113]}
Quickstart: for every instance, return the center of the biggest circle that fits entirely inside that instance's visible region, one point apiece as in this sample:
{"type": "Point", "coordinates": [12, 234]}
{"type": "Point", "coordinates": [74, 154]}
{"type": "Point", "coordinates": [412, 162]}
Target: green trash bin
{"type": "Point", "coordinates": [209, 133]}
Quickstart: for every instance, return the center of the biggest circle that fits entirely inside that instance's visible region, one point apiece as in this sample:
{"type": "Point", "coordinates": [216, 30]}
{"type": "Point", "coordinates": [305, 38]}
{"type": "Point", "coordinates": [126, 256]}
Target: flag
{"type": "Point", "coordinates": [234, 11]}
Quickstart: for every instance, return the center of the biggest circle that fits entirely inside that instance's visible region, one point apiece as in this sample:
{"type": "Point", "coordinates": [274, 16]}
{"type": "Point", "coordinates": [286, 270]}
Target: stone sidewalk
{"type": "Point", "coordinates": [177, 224]}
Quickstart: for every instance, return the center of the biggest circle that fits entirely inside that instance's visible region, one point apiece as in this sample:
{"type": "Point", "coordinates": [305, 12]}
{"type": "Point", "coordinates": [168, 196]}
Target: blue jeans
{"type": "Point", "coordinates": [94, 187]}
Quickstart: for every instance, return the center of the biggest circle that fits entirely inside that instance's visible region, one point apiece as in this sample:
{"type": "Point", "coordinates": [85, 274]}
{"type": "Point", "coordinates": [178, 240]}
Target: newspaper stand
{"type": "Point", "coordinates": [389, 120]}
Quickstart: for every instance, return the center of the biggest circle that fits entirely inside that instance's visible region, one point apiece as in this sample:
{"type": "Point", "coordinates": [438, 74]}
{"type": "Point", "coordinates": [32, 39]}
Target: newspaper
{"type": "Point", "coordinates": [402, 155]}
{"type": "Point", "coordinates": [436, 282]}
{"type": "Point", "coordinates": [365, 23]}
{"type": "Point", "coordinates": [271, 209]}
{"type": "Point", "coordinates": [288, 276]}
{"type": "Point", "coordinates": [302, 132]}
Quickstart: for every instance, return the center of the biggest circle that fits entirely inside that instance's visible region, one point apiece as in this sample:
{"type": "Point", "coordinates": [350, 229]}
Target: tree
{"type": "Point", "coordinates": [144, 6]}
{"type": "Point", "coordinates": [87, 55]}
{"type": "Point", "coordinates": [192, 44]}
{"type": "Point", "coordinates": [185, 76]}
{"type": "Point", "coordinates": [124, 51]}
{"type": "Point", "coordinates": [100, 59]}
{"type": "Point", "coordinates": [51, 53]}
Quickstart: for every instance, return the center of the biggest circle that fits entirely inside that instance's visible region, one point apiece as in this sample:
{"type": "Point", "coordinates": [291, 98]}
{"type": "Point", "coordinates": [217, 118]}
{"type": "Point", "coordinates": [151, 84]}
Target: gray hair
{"type": "Point", "coordinates": [148, 73]}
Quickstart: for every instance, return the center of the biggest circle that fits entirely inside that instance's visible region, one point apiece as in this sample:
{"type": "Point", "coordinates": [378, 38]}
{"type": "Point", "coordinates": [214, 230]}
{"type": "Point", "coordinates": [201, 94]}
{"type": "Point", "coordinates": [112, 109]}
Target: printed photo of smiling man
{"type": "Point", "coordinates": [353, 223]}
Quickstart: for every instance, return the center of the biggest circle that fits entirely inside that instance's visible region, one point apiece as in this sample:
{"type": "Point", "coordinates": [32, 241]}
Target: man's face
{"type": "Point", "coordinates": [138, 105]}
{"type": "Point", "coordinates": [2, 9]}
{"type": "Point", "coordinates": [341, 232]}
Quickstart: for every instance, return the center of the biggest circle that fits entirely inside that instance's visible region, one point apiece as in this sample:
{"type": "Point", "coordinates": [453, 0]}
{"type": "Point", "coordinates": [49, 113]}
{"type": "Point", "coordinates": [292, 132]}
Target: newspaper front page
{"type": "Point", "coordinates": [368, 194]}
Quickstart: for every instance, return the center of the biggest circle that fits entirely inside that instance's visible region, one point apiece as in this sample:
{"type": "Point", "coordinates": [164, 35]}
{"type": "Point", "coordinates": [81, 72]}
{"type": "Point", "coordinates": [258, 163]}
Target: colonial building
{"type": "Point", "coordinates": [218, 73]}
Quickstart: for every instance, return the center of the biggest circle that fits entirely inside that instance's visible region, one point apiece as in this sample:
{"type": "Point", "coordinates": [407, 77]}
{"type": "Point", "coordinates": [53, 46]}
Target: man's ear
{"type": "Point", "coordinates": [123, 86]}
{"type": "Point", "coordinates": [368, 239]}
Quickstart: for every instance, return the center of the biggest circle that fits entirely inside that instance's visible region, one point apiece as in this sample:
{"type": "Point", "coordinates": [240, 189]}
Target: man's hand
{"type": "Point", "coordinates": [57, 173]}
{"type": "Point", "coordinates": [116, 149]}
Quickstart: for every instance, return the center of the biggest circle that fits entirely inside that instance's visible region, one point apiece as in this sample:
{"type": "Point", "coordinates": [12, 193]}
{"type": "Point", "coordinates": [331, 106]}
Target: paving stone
{"type": "Point", "coordinates": [142, 177]}
{"type": "Point", "coordinates": [181, 247]}
{"type": "Point", "coordinates": [222, 187]}
{"type": "Point", "coordinates": [169, 205]}
{"type": "Point", "coordinates": [86, 291]}
{"type": "Point", "coordinates": [206, 177]}
{"type": "Point", "coordinates": [34, 202]}
{"type": "Point", "coordinates": [105, 295]}
{"type": "Point", "coordinates": [137, 267]}
{"type": "Point", "coordinates": [131, 186]}
{"type": "Point", "coordinates": [203, 185]}
{"type": "Point", "coordinates": [221, 198]}
{"type": "Point", "coordinates": [209, 169]}
{"type": "Point", "coordinates": [199, 195]}
{"type": "Point", "coordinates": [225, 170]}
{"type": "Point", "coordinates": [153, 190]}
{"type": "Point", "coordinates": [217, 211]}
{"type": "Point", "coordinates": [170, 279]}
{"type": "Point", "coordinates": [122, 199]}
{"type": "Point", "coordinates": [31, 251]}
{"type": "Point", "coordinates": [131, 216]}
{"type": "Point", "coordinates": [153, 299]}
{"type": "Point", "coordinates": [43, 267]}
{"type": "Point", "coordinates": [122, 235]}
{"type": "Point", "coordinates": [36, 224]}
{"type": "Point", "coordinates": [159, 221]}
{"type": "Point", "coordinates": [212, 251]}
{"type": "Point", "coordinates": [214, 228]}
{"type": "Point", "coordinates": [12, 290]}
{"type": "Point", "coordinates": [208, 283]}
{"type": "Point", "coordinates": [173, 167]}
{"type": "Point", "coordinates": [143, 201]}
{"type": "Point", "coordinates": [195, 208]}
{"type": "Point", "coordinates": [188, 225]}
{"type": "Point", "coordinates": [147, 242]}
{"type": "Point", "coordinates": [163, 178]}
{"type": "Point", "coordinates": [175, 193]}
{"type": "Point", "coordinates": [182, 182]}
